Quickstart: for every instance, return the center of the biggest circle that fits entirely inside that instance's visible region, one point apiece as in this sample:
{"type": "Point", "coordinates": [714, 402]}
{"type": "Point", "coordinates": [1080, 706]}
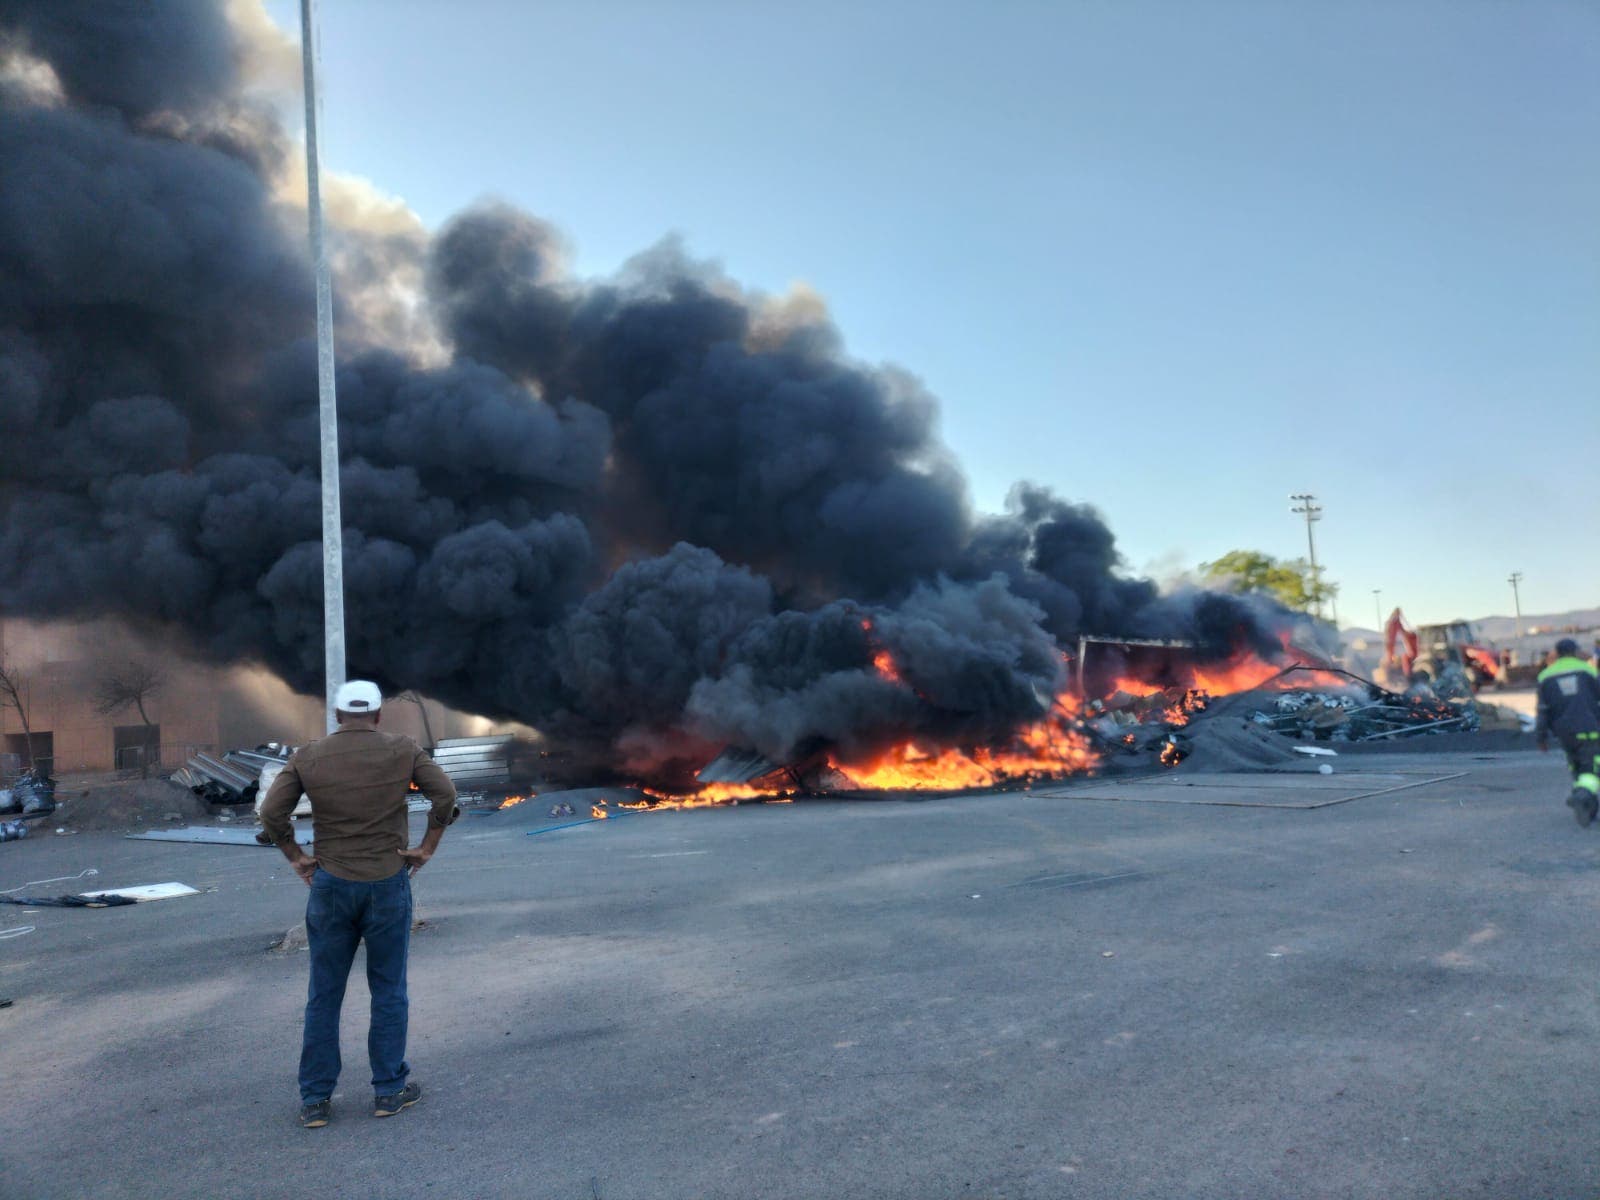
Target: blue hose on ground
{"type": "Point", "coordinates": [621, 812]}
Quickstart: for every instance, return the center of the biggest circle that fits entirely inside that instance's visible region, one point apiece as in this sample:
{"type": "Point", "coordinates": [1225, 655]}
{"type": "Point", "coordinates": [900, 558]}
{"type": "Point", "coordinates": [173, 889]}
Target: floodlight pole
{"type": "Point", "coordinates": [1516, 597]}
{"type": "Point", "coordinates": [1377, 609]}
{"type": "Point", "coordinates": [1312, 511]}
{"type": "Point", "coordinates": [328, 408]}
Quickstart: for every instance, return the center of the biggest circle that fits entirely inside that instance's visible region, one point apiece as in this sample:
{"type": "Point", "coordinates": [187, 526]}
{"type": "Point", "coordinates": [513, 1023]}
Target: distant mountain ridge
{"type": "Point", "coordinates": [1499, 628]}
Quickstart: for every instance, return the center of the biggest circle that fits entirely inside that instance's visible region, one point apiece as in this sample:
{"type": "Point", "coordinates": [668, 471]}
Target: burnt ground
{"type": "Point", "coordinates": [1099, 992]}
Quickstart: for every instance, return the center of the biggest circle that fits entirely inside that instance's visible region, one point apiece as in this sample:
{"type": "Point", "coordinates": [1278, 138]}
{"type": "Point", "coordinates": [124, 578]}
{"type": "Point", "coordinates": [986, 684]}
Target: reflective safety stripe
{"type": "Point", "coordinates": [1589, 783]}
{"type": "Point", "coordinates": [1563, 666]}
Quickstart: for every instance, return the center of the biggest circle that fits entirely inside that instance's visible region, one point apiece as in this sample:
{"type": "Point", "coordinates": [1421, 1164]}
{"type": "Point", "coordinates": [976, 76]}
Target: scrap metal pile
{"type": "Point", "coordinates": [235, 777]}
{"type": "Point", "coordinates": [1331, 705]}
{"type": "Point", "coordinates": [1341, 707]}
{"type": "Point", "coordinates": [1365, 716]}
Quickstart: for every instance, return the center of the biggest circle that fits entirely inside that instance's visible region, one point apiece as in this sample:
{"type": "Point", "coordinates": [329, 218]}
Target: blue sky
{"type": "Point", "coordinates": [1175, 259]}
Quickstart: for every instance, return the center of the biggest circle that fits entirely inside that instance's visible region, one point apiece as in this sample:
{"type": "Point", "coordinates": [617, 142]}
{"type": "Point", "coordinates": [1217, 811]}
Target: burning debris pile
{"type": "Point", "coordinates": [1133, 725]}
{"type": "Point", "coordinates": [1303, 701]}
{"type": "Point", "coordinates": [1330, 704]}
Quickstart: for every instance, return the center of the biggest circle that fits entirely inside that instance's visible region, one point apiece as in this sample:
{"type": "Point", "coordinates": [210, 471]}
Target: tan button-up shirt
{"type": "Point", "coordinates": [358, 780]}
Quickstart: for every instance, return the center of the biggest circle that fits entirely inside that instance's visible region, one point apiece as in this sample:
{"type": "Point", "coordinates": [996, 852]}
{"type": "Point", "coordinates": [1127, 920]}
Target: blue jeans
{"type": "Point", "coordinates": [340, 914]}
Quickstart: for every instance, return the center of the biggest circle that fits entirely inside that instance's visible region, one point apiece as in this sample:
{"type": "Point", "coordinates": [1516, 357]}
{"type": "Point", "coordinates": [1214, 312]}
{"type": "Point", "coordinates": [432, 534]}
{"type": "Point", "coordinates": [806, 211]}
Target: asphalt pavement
{"type": "Point", "coordinates": [1113, 993]}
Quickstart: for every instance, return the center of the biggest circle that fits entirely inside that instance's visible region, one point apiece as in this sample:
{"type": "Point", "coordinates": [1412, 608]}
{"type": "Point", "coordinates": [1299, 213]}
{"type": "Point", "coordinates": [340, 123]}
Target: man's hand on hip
{"type": "Point", "coordinates": [305, 867]}
{"type": "Point", "coordinates": [417, 857]}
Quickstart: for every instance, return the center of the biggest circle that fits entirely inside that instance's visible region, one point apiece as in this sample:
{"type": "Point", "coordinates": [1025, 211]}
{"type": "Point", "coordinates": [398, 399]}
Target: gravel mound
{"type": "Point", "coordinates": [110, 802]}
{"type": "Point", "coordinates": [1224, 743]}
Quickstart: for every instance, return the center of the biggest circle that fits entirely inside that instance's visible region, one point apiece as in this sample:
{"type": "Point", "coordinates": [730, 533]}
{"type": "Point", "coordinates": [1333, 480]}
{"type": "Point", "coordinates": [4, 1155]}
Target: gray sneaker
{"type": "Point", "coordinates": [1583, 804]}
{"type": "Point", "coordinates": [387, 1106]}
{"type": "Point", "coordinates": [315, 1116]}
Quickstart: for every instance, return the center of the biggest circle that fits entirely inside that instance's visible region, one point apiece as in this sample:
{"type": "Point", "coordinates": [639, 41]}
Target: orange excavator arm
{"type": "Point", "coordinates": [1484, 659]}
{"type": "Point", "coordinates": [1398, 631]}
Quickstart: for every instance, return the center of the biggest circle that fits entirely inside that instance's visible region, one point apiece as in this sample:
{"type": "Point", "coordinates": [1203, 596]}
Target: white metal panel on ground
{"type": "Point", "coordinates": [212, 835]}
{"type": "Point", "coordinates": [145, 892]}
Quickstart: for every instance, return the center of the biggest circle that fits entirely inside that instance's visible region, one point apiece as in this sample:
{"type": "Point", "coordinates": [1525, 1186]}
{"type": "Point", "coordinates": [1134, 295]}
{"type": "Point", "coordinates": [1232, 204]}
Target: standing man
{"type": "Point", "coordinates": [1569, 706]}
{"type": "Point", "coordinates": [357, 780]}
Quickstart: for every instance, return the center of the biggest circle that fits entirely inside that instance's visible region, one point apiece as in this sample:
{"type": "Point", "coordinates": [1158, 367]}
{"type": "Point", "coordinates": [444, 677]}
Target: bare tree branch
{"type": "Point", "coordinates": [11, 689]}
{"type": "Point", "coordinates": [131, 683]}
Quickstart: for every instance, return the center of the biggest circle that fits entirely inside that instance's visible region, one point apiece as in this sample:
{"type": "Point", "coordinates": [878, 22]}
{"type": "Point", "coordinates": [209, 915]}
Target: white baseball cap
{"type": "Point", "coordinates": [358, 696]}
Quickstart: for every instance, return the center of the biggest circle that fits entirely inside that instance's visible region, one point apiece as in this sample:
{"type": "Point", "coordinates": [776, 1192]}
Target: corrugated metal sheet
{"type": "Point", "coordinates": [480, 761]}
{"type": "Point", "coordinates": [736, 765]}
{"type": "Point", "coordinates": [251, 761]}
{"type": "Point", "coordinates": [228, 775]}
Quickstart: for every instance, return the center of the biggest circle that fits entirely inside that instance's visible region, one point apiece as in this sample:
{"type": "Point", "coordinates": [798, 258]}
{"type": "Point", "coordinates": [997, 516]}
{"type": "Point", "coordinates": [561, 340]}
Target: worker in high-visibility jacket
{"type": "Point", "coordinates": [1569, 707]}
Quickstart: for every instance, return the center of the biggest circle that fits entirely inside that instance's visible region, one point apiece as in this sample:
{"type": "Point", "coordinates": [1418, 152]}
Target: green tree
{"type": "Point", "coordinates": [1286, 580]}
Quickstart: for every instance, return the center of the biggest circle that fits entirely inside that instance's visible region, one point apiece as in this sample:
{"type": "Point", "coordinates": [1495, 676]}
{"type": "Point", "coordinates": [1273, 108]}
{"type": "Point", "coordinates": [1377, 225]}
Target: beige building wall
{"type": "Point", "coordinates": [199, 706]}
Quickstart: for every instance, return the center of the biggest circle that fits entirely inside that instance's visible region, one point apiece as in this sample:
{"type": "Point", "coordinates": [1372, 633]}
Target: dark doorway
{"type": "Point", "coordinates": [44, 749]}
{"type": "Point", "coordinates": [136, 747]}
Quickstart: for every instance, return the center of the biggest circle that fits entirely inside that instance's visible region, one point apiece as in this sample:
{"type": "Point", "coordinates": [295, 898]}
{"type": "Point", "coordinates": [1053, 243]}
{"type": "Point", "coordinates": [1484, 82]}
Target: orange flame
{"type": "Point", "coordinates": [711, 794]}
{"type": "Point", "coordinates": [513, 801]}
{"type": "Point", "coordinates": [1135, 687]}
{"type": "Point", "coordinates": [1243, 671]}
{"type": "Point", "coordinates": [1046, 749]}
{"type": "Point", "coordinates": [882, 661]}
{"type": "Point", "coordinates": [1192, 701]}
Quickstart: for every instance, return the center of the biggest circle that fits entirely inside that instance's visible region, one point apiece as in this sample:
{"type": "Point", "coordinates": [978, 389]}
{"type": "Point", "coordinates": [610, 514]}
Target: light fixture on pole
{"type": "Point", "coordinates": [328, 409]}
{"type": "Point", "coordinates": [1516, 597]}
{"type": "Point", "coordinates": [1312, 511]}
{"type": "Point", "coordinates": [1377, 608]}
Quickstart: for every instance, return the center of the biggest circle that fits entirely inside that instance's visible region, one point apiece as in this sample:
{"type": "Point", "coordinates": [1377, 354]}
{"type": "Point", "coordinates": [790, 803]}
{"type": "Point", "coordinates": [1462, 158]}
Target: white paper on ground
{"type": "Point", "coordinates": [1316, 751]}
{"type": "Point", "coordinates": [149, 891]}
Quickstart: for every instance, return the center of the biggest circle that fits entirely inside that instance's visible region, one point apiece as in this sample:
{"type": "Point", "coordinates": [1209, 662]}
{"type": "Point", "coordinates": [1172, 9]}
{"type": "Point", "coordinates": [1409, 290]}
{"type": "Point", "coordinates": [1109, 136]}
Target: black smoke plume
{"type": "Point", "coordinates": [652, 511]}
